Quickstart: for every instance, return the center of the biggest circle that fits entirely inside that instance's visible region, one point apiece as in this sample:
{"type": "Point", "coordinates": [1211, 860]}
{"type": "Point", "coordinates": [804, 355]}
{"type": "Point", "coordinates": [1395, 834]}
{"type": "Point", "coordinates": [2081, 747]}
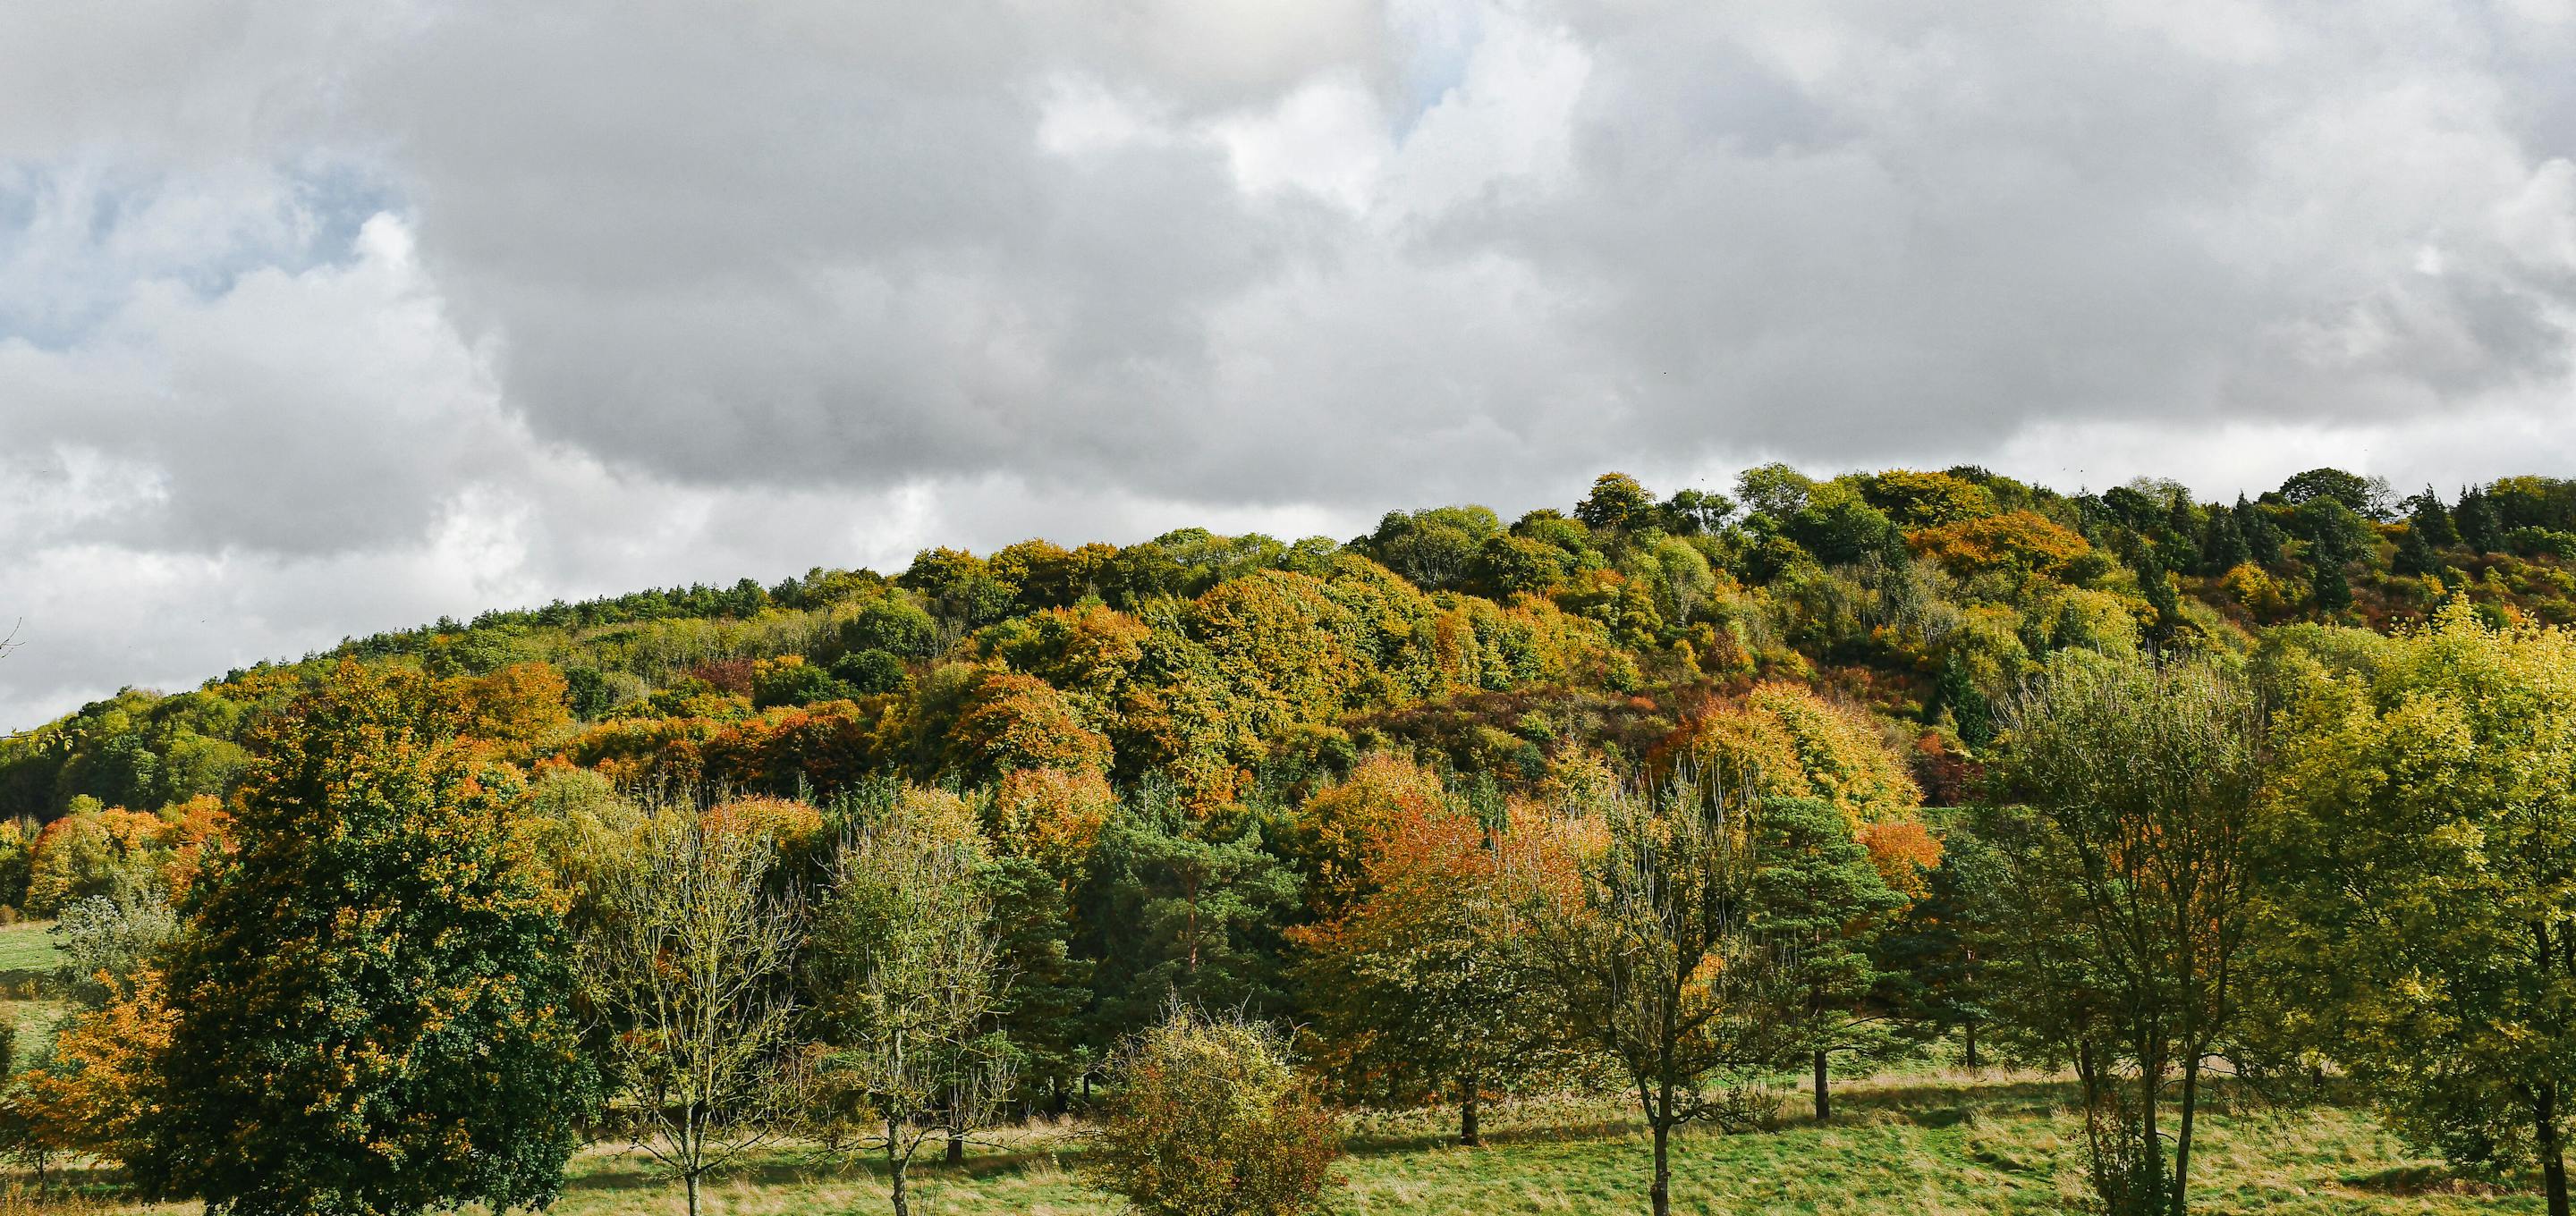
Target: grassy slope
{"type": "Point", "coordinates": [1922, 1147]}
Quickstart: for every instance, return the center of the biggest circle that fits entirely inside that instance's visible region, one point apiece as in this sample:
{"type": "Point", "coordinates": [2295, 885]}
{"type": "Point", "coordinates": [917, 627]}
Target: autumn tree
{"type": "Point", "coordinates": [1211, 1120]}
{"type": "Point", "coordinates": [2429, 923]}
{"type": "Point", "coordinates": [372, 1000]}
{"type": "Point", "coordinates": [1644, 924]}
{"type": "Point", "coordinates": [689, 966]}
{"type": "Point", "coordinates": [2134, 877]}
{"type": "Point", "coordinates": [1418, 989]}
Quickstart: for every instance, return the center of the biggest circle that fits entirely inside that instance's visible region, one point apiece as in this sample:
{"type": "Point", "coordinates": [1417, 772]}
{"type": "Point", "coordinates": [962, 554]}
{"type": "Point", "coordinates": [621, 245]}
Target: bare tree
{"type": "Point", "coordinates": [1642, 920]}
{"type": "Point", "coordinates": [691, 966]}
{"type": "Point", "coordinates": [908, 975]}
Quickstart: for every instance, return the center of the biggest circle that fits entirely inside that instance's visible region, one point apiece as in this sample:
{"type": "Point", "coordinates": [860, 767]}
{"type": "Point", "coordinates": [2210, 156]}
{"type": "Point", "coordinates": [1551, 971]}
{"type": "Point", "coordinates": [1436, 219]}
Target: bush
{"type": "Point", "coordinates": [1212, 1121]}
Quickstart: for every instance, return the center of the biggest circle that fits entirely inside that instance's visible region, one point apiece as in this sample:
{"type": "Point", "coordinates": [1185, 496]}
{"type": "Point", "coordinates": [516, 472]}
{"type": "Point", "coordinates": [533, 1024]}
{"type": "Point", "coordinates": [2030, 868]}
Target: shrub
{"type": "Point", "coordinates": [1212, 1121]}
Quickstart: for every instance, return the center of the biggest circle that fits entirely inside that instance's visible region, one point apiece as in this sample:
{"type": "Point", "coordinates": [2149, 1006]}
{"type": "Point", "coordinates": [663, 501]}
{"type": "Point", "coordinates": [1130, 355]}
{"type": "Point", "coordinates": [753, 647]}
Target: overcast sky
{"type": "Point", "coordinates": [318, 319]}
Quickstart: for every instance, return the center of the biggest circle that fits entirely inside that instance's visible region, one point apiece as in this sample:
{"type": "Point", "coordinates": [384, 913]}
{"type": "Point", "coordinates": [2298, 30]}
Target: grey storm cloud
{"type": "Point", "coordinates": [316, 319]}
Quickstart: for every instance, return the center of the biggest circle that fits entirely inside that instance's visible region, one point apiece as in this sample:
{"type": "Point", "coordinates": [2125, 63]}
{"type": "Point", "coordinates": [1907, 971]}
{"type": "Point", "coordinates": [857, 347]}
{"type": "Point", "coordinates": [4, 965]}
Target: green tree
{"type": "Point", "coordinates": [1618, 504]}
{"type": "Point", "coordinates": [688, 964]}
{"type": "Point", "coordinates": [2134, 880]}
{"type": "Point", "coordinates": [1936, 950]}
{"type": "Point", "coordinates": [373, 1000]}
{"type": "Point", "coordinates": [2428, 829]}
{"type": "Point", "coordinates": [907, 973]}
{"type": "Point", "coordinates": [1175, 908]}
{"type": "Point", "coordinates": [1643, 923]}
{"type": "Point", "coordinates": [1821, 903]}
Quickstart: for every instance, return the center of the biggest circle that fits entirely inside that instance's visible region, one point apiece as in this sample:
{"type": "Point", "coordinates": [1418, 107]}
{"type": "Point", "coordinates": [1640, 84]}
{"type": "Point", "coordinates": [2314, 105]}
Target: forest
{"type": "Point", "coordinates": [1212, 865]}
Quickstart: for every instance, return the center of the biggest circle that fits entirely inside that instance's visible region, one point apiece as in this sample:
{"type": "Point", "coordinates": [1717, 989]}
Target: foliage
{"type": "Point", "coordinates": [372, 996]}
{"type": "Point", "coordinates": [689, 967]}
{"type": "Point", "coordinates": [1643, 918]}
{"type": "Point", "coordinates": [2428, 926]}
{"type": "Point", "coordinates": [907, 980]}
{"type": "Point", "coordinates": [2132, 875]}
{"type": "Point", "coordinates": [1211, 1120]}
{"type": "Point", "coordinates": [1418, 989]}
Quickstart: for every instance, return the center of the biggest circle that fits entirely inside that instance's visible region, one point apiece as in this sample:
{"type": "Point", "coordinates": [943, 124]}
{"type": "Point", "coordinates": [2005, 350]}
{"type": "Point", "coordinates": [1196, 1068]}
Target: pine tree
{"type": "Point", "coordinates": [2262, 536]}
{"type": "Point", "coordinates": [2222, 545]}
{"type": "Point", "coordinates": [373, 1001]}
{"type": "Point", "coordinates": [2480, 526]}
{"type": "Point", "coordinates": [1823, 904]}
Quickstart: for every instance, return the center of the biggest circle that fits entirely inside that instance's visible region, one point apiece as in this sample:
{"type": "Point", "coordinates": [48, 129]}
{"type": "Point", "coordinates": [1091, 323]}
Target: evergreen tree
{"type": "Point", "coordinates": [2414, 555]}
{"type": "Point", "coordinates": [2426, 515]}
{"type": "Point", "coordinates": [2222, 544]}
{"type": "Point", "coordinates": [2480, 525]}
{"type": "Point", "coordinates": [2262, 536]}
{"type": "Point", "coordinates": [2179, 546]}
{"type": "Point", "coordinates": [2160, 595]}
{"type": "Point", "coordinates": [373, 1002]}
{"type": "Point", "coordinates": [1822, 903]}
{"type": "Point", "coordinates": [1175, 909]}
{"type": "Point", "coordinates": [1934, 953]}
{"type": "Point", "coordinates": [2333, 590]}
{"type": "Point", "coordinates": [1955, 689]}
{"type": "Point", "coordinates": [1050, 989]}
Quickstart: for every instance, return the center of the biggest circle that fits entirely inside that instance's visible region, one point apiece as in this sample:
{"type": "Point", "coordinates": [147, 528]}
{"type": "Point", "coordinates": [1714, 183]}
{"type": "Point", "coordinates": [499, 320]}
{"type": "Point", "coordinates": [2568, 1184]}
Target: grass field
{"type": "Point", "coordinates": [27, 950]}
{"type": "Point", "coordinates": [1918, 1146]}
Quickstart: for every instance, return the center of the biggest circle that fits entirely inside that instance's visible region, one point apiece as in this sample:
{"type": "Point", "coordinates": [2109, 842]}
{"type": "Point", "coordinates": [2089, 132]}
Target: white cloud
{"type": "Point", "coordinates": [318, 320]}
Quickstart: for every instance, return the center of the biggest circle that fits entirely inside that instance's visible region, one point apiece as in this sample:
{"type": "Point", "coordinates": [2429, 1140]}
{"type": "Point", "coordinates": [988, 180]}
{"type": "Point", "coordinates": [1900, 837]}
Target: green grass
{"type": "Point", "coordinates": [27, 950]}
{"type": "Point", "coordinates": [1942, 1146]}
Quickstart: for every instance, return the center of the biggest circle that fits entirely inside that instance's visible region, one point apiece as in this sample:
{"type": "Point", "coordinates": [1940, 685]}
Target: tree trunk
{"type": "Point", "coordinates": [1467, 1134]}
{"type": "Point", "coordinates": [2182, 1135]}
{"type": "Point", "coordinates": [1824, 1095]}
{"type": "Point", "coordinates": [1057, 1084]}
{"type": "Point", "coordinates": [692, 1183]}
{"type": "Point", "coordinates": [2151, 1144]}
{"type": "Point", "coordinates": [1972, 1046]}
{"type": "Point", "coordinates": [1661, 1194]}
{"type": "Point", "coordinates": [896, 1164]}
{"type": "Point", "coordinates": [2553, 1154]}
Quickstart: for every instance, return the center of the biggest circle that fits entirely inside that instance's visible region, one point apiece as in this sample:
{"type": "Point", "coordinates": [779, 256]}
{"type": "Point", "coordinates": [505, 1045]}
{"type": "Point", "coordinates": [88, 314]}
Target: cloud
{"type": "Point", "coordinates": [320, 320]}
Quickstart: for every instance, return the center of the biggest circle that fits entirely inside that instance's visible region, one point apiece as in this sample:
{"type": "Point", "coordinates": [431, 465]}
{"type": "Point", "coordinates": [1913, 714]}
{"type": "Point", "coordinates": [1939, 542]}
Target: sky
{"type": "Point", "coordinates": [319, 319]}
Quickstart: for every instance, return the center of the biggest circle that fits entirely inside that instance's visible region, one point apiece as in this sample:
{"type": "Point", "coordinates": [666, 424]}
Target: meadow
{"type": "Point", "coordinates": [1926, 1144]}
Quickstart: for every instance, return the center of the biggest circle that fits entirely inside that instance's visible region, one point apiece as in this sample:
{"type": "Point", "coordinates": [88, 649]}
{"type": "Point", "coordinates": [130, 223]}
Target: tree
{"type": "Point", "coordinates": [1417, 988]}
{"type": "Point", "coordinates": [2158, 590]}
{"type": "Point", "coordinates": [1174, 908]}
{"type": "Point", "coordinates": [1820, 901]}
{"type": "Point", "coordinates": [2428, 518]}
{"type": "Point", "coordinates": [1617, 503]}
{"type": "Point", "coordinates": [2262, 535]}
{"type": "Point", "coordinates": [907, 977]}
{"type": "Point", "coordinates": [1642, 921]}
{"type": "Point", "coordinates": [1937, 947]}
{"type": "Point", "coordinates": [2133, 868]}
{"type": "Point", "coordinates": [2429, 920]}
{"type": "Point", "coordinates": [1210, 1120]}
{"type": "Point", "coordinates": [2480, 525]}
{"type": "Point", "coordinates": [689, 967]}
{"type": "Point", "coordinates": [2364, 496]}
{"type": "Point", "coordinates": [372, 996]}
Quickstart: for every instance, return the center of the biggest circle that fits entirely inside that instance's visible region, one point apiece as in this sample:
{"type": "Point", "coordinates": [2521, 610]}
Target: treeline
{"type": "Point", "coordinates": [413, 962]}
